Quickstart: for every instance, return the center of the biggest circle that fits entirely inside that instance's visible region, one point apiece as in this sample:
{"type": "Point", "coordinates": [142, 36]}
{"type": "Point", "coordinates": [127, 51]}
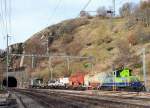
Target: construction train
{"type": "Point", "coordinates": [121, 79]}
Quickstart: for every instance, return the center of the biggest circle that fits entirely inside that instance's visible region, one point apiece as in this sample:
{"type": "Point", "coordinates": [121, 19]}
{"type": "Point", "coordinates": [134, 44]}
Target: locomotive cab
{"type": "Point", "coordinates": [123, 80]}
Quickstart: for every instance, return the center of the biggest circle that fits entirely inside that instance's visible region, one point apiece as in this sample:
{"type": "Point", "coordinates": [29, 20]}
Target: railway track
{"type": "Point", "coordinates": [55, 99]}
{"type": "Point", "coordinates": [110, 94]}
{"type": "Point", "coordinates": [50, 101]}
{"type": "Point", "coordinates": [24, 101]}
{"type": "Point", "coordinates": [133, 99]}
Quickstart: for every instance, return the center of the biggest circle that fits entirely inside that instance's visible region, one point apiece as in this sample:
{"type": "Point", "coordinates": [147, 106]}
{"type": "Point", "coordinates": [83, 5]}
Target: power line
{"type": "Point", "coordinates": [114, 8]}
{"type": "Point", "coordinates": [9, 15]}
{"type": "Point", "coordinates": [86, 5]}
{"type": "Point", "coordinates": [2, 18]}
{"type": "Point", "coordinates": [120, 2]}
{"type": "Point", "coordinates": [55, 9]}
{"type": "Point", "coordinates": [5, 16]}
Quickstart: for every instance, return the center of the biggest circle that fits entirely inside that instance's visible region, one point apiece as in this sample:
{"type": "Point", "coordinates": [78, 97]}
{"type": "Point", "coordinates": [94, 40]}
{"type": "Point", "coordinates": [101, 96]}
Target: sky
{"type": "Point", "coordinates": [31, 16]}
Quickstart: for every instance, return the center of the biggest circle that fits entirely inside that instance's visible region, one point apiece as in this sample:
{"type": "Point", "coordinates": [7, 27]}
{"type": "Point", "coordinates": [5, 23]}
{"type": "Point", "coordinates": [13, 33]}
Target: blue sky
{"type": "Point", "coordinates": [31, 16]}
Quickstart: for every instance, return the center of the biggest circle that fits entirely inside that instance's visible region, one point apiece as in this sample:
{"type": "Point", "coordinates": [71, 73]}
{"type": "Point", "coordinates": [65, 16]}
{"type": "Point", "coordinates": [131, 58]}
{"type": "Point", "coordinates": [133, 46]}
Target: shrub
{"type": "Point", "coordinates": [145, 5]}
{"type": "Point", "coordinates": [138, 37]}
{"type": "Point", "coordinates": [69, 26]}
{"type": "Point", "coordinates": [140, 14]}
{"type": "Point", "coordinates": [132, 38]}
{"type": "Point", "coordinates": [67, 38]}
{"type": "Point", "coordinates": [106, 40]}
{"type": "Point", "coordinates": [110, 48]}
{"type": "Point", "coordinates": [126, 9]}
{"type": "Point", "coordinates": [34, 47]}
{"type": "Point", "coordinates": [74, 48]}
{"type": "Point", "coordinates": [143, 37]}
{"type": "Point", "coordinates": [84, 14]}
{"type": "Point", "coordinates": [124, 55]}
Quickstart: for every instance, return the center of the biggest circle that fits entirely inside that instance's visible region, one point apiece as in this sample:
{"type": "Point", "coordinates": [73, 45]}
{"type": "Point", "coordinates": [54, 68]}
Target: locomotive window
{"type": "Point", "coordinates": [130, 72]}
{"type": "Point", "coordinates": [117, 73]}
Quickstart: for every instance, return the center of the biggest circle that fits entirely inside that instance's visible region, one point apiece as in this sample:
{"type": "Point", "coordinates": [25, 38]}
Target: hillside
{"type": "Point", "coordinates": [2, 65]}
{"type": "Point", "coordinates": [111, 44]}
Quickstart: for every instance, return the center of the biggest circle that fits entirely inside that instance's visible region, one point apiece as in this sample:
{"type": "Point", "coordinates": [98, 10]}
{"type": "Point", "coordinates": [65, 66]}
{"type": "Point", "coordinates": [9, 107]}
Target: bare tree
{"type": "Point", "coordinates": [84, 14]}
{"type": "Point", "coordinates": [126, 9]}
{"type": "Point", "coordinates": [145, 9]}
{"type": "Point", "coordinates": [34, 46]}
{"type": "Point", "coordinates": [141, 13]}
{"type": "Point", "coordinates": [101, 11]}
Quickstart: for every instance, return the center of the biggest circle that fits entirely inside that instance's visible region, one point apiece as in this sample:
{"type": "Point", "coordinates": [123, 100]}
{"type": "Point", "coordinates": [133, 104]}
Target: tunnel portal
{"type": "Point", "coordinates": [12, 82]}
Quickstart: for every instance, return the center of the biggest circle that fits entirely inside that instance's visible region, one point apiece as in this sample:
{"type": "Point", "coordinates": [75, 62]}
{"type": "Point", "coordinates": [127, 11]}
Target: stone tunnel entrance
{"type": "Point", "coordinates": [12, 82]}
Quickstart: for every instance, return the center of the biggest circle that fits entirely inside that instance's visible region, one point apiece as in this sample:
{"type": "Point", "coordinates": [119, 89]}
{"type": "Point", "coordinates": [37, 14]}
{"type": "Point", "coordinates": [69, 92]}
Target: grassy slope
{"type": "Point", "coordinates": [91, 37]}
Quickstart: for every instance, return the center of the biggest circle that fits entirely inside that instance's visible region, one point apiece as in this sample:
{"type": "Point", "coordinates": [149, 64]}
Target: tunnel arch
{"type": "Point", "coordinates": [12, 81]}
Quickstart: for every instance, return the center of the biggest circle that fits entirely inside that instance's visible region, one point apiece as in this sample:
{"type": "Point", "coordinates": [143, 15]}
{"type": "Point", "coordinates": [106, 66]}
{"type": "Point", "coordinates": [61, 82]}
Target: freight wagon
{"type": "Point", "coordinates": [121, 79]}
{"type": "Point", "coordinates": [60, 83]}
{"type": "Point", "coordinates": [64, 81]}
{"type": "Point", "coordinates": [76, 81]}
{"type": "Point", "coordinates": [94, 81]}
{"type": "Point", "coordinates": [36, 83]}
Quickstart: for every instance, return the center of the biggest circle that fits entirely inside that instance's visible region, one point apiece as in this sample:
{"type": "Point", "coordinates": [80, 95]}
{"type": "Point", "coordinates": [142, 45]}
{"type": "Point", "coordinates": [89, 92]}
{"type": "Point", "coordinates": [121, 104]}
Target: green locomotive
{"type": "Point", "coordinates": [123, 80]}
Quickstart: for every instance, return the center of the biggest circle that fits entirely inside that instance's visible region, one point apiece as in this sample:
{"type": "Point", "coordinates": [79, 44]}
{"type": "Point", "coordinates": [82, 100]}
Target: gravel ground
{"type": "Point", "coordinates": [26, 102]}
{"type": "Point", "coordinates": [69, 99]}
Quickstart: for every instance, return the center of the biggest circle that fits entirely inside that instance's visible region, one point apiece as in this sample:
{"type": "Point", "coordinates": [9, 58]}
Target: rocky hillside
{"type": "Point", "coordinates": [2, 64]}
{"type": "Point", "coordinates": [111, 44]}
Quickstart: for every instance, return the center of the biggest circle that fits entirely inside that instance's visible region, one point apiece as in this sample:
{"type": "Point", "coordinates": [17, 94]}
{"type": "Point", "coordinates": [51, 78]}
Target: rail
{"type": "Point", "coordinates": [77, 99]}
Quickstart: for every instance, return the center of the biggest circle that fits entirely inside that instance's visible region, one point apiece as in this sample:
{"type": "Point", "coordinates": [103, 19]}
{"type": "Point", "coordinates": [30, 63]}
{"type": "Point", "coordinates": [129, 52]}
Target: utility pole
{"type": "Point", "coordinates": [114, 71]}
{"type": "Point", "coordinates": [111, 12]}
{"type": "Point", "coordinates": [49, 40]}
{"type": "Point", "coordinates": [114, 76]}
{"type": "Point", "coordinates": [114, 8]}
{"type": "Point", "coordinates": [68, 64]}
{"type": "Point", "coordinates": [144, 69]}
{"type": "Point", "coordinates": [33, 61]}
{"type": "Point", "coordinates": [7, 60]}
{"type": "Point", "coordinates": [49, 61]}
{"type": "Point", "coordinates": [47, 50]}
{"type": "Point", "coordinates": [50, 68]}
{"type": "Point", "coordinates": [128, 17]}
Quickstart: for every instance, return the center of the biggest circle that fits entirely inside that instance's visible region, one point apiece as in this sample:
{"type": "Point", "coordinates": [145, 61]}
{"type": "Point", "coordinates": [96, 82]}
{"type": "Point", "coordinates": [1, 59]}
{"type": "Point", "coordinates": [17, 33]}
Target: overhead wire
{"type": "Point", "coordinates": [86, 5]}
{"type": "Point", "coordinates": [9, 20]}
{"type": "Point", "coordinates": [5, 16]}
{"type": "Point", "coordinates": [122, 1]}
{"type": "Point", "coordinates": [3, 25]}
{"type": "Point", "coordinates": [9, 15]}
{"type": "Point", "coordinates": [2, 18]}
{"type": "Point", "coordinates": [58, 5]}
{"type": "Point", "coordinates": [55, 10]}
